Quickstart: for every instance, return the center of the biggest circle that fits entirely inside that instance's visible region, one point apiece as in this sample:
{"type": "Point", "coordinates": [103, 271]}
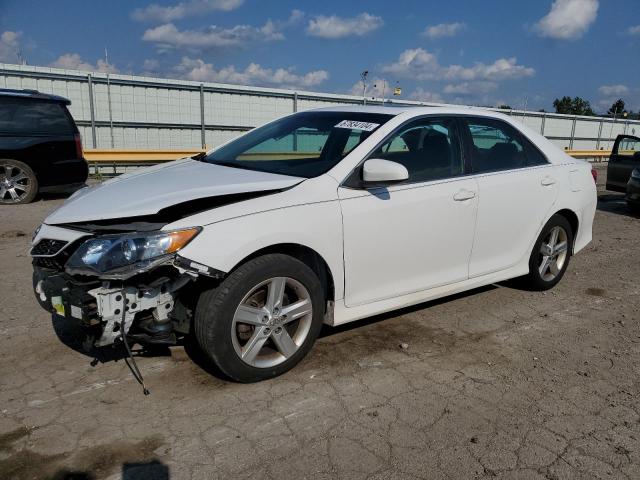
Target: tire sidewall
{"type": "Point", "coordinates": [535, 278]}
{"type": "Point", "coordinates": [216, 308]}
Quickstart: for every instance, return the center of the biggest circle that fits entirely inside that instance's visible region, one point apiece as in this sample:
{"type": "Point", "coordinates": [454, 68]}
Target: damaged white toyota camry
{"type": "Point", "coordinates": [325, 216]}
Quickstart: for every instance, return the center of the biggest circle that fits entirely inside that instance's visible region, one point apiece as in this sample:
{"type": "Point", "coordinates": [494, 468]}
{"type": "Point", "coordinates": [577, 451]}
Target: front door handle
{"type": "Point", "coordinates": [547, 181]}
{"type": "Point", "coordinates": [463, 195]}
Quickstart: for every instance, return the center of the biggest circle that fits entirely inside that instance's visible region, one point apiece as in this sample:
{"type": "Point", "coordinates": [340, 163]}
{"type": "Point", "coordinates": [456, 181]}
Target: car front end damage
{"type": "Point", "coordinates": [131, 284]}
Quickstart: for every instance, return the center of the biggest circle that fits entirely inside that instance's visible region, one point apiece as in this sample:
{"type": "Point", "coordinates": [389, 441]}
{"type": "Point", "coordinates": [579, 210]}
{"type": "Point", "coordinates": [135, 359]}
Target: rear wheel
{"type": "Point", "coordinates": [551, 253]}
{"type": "Point", "coordinates": [262, 319]}
{"type": "Point", "coordinates": [18, 183]}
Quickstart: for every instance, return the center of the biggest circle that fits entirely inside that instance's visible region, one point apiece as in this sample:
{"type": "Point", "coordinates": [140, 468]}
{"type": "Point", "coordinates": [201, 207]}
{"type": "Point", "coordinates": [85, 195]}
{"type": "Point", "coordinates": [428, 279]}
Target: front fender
{"type": "Point", "coordinates": [318, 226]}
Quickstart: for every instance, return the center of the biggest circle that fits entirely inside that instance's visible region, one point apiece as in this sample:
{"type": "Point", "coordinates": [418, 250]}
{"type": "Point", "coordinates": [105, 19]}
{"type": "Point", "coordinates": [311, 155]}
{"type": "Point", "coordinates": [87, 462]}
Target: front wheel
{"type": "Point", "coordinates": [262, 319]}
{"type": "Point", "coordinates": [551, 253]}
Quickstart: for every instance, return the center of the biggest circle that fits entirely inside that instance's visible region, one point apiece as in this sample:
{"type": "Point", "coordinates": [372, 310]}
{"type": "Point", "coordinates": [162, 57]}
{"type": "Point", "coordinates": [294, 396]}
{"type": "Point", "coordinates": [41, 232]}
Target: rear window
{"type": "Point", "coordinates": [29, 117]}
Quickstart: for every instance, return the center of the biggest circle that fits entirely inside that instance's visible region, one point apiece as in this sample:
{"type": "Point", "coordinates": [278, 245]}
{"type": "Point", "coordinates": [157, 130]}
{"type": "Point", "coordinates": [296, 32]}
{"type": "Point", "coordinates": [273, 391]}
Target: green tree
{"type": "Point", "coordinates": [617, 108]}
{"type": "Point", "coordinates": [573, 106]}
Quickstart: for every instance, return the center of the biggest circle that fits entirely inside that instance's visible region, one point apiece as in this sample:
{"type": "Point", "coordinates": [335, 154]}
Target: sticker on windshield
{"type": "Point", "coordinates": [355, 125]}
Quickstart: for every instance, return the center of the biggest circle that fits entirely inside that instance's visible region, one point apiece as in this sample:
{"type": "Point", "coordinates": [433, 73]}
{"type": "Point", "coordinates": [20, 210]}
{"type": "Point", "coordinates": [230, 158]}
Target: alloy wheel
{"type": "Point", "coordinates": [272, 322]}
{"type": "Point", "coordinates": [553, 253]}
{"type": "Point", "coordinates": [15, 184]}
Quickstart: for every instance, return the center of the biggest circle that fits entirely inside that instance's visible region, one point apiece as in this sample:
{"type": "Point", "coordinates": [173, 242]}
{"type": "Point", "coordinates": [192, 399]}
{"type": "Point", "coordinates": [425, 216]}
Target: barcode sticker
{"type": "Point", "coordinates": [355, 125]}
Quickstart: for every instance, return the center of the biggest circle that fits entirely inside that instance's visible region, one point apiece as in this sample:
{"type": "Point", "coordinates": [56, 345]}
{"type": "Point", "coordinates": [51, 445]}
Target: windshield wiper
{"type": "Point", "coordinates": [200, 156]}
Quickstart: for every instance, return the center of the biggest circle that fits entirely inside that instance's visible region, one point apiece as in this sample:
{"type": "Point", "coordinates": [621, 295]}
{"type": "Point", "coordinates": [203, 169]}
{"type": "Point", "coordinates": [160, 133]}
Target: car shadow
{"type": "Point", "coordinates": [615, 203]}
{"type": "Point", "coordinates": [74, 336]}
{"type": "Point", "coordinates": [328, 330]}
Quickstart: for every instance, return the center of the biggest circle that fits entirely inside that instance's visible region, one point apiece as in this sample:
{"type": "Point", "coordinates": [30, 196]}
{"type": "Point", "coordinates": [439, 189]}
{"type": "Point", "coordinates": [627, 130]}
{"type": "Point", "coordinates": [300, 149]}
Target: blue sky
{"type": "Point", "coordinates": [473, 52]}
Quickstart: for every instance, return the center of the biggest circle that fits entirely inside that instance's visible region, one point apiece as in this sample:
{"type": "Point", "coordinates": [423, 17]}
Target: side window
{"type": "Point", "coordinates": [628, 146]}
{"type": "Point", "coordinates": [22, 116]}
{"type": "Point", "coordinates": [496, 146]}
{"type": "Point", "coordinates": [428, 148]}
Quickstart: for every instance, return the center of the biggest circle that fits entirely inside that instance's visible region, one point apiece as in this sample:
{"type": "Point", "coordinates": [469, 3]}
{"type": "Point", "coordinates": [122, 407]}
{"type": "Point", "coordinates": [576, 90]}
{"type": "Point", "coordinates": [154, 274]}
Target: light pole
{"type": "Point", "coordinates": [363, 78]}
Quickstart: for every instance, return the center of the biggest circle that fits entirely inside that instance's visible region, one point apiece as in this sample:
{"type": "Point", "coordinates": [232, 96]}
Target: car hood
{"type": "Point", "coordinates": [149, 190]}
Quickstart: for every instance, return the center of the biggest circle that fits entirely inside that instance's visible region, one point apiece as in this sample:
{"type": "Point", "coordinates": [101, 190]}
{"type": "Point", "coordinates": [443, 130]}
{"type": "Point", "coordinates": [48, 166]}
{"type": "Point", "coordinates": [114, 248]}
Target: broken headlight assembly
{"type": "Point", "coordinates": [121, 256]}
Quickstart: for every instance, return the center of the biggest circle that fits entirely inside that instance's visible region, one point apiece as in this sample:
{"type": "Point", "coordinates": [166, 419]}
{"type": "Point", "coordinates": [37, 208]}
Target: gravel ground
{"type": "Point", "coordinates": [497, 382]}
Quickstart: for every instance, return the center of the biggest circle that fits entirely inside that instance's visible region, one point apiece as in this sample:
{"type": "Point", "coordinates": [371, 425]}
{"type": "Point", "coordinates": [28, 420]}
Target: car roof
{"type": "Point", "coordinates": [414, 110]}
{"type": "Point", "coordinates": [34, 95]}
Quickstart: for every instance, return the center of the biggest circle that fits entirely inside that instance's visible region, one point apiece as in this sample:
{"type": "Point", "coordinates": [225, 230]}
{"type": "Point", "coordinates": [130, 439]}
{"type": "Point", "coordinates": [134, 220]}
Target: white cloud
{"type": "Point", "coordinates": [470, 88]}
{"type": "Point", "coordinates": [443, 30]}
{"type": "Point", "coordinates": [168, 36]}
{"type": "Point", "coordinates": [166, 14]}
{"type": "Point", "coordinates": [419, 64]}
{"type": "Point", "coordinates": [613, 90]}
{"type": "Point", "coordinates": [10, 46]}
{"type": "Point", "coordinates": [254, 74]}
{"type": "Point", "coordinates": [339, 27]}
{"type": "Point", "coordinates": [635, 30]}
{"type": "Point", "coordinates": [73, 61]}
{"type": "Point", "coordinates": [567, 19]}
{"type": "Point", "coordinates": [422, 95]}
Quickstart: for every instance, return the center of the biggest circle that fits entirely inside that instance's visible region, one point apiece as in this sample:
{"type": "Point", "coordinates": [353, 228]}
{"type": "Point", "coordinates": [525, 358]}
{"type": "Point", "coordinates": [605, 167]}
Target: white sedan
{"type": "Point", "coordinates": [324, 216]}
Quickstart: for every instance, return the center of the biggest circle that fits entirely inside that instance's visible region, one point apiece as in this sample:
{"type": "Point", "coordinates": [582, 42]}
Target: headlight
{"type": "Point", "coordinates": [635, 174]}
{"type": "Point", "coordinates": [112, 254]}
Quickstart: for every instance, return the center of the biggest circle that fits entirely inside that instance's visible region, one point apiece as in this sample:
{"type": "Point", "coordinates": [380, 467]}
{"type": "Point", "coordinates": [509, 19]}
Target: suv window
{"type": "Point", "coordinates": [428, 148]}
{"type": "Point", "coordinates": [628, 146]}
{"type": "Point", "coordinates": [28, 117]}
{"type": "Point", "coordinates": [496, 146]}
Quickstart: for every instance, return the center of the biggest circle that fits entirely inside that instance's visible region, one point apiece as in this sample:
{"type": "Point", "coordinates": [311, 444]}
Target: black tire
{"type": "Point", "coordinates": [213, 322]}
{"type": "Point", "coordinates": [31, 182]}
{"type": "Point", "coordinates": [534, 279]}
{"type": "Point", "coordinates": [634, 207]}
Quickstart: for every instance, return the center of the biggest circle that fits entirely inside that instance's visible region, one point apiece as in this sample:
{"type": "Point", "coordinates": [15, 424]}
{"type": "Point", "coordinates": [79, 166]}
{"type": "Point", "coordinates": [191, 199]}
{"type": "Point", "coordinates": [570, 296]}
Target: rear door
{"type": "Point", "coordinates": [625, 156]}
{"type": "Point", "coordinates": [517, 187]}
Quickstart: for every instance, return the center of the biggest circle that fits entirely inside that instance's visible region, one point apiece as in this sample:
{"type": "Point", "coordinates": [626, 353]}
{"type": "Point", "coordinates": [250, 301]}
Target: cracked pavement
{"type": "Point", "coordinates": [496, 383]}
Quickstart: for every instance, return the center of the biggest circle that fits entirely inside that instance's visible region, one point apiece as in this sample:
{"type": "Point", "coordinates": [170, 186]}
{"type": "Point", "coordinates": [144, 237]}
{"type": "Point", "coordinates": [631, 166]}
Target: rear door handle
{"type": "Point", "coordinates": [547, 181]}
{"type": "Point", "coordinates": [463, 195]}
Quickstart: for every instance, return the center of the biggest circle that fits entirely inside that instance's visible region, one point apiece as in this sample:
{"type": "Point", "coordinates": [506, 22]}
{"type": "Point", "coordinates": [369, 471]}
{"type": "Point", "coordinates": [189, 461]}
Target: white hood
{"type": "Point", "coordinates": [149, 190]}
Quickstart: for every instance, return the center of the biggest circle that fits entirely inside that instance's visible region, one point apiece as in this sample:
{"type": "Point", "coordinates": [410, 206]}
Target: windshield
{"type": "Point", "coordinates": [306, 144]}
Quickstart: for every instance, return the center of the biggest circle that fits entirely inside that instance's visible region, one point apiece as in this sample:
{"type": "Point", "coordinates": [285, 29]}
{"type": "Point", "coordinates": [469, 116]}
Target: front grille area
{"type": "Point", "coordinates": [47, 247]}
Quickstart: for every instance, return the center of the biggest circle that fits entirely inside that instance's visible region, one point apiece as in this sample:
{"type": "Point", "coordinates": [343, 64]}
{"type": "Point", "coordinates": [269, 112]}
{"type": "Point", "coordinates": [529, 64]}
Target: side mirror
{"type": "Point", "coordinates": [378, 172]}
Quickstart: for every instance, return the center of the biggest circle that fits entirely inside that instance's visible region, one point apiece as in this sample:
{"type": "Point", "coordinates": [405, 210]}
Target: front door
{"type": "Point", "coordinates": [625, 156]}
{"type": "Point", "coordinates": [416, 235]}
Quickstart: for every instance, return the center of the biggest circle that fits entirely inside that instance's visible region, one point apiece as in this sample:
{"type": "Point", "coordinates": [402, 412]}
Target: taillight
{"type": "Point", "coordinates": [78, 146]}
{"type": "Point", "coordinates": [594, 174]}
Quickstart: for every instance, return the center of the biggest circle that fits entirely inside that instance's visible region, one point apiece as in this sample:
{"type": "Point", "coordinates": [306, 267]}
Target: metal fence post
{"type": "Point", "coordinates": [110, 111]}
{"type": "Point", "coordinates": [573, 132]}
{"type": "Point", "coordinates": [295, 102]}
{"type": "Point", "coordinates": [544, 118]}
{"type": "Point", "coordinates": [92, 111]}
{"type": "Point", "coordinates": [203, 133]}
{"type": "Point", "coordinates": [599, 134]}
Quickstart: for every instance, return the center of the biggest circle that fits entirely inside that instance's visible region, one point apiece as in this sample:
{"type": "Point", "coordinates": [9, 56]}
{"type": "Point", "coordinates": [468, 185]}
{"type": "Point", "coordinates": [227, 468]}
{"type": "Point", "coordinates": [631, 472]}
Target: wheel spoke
{"type": "Point", "coordinates": [296, 310]}
{"type": "Point", "coordinates": [3, 193]}
{"type": "Point", "coordinates": [284, 343]}
{"type": "Point", "coordinates": [20, 176]}
{"type": "Point", "coordinates": [553, 267]}
{"type": "Point", "coordinates": [560, 247]}
{"type": "Point", "coordinates": [546, 261]}
{"type": "Point", "coordinates": [275, 293]}
{"type": "Point", "coordinates": [14, 195]}
{"type": "Point", "coordinates": [7, 171]}
{"type": "Point", "coordinates": [553, 239]}
{"type": "Point", "coordinates": [249, 315]}
{"type": "Point", "coordinates": [254, 345]}
{"type": "Point", "coordinates": [22, 188]}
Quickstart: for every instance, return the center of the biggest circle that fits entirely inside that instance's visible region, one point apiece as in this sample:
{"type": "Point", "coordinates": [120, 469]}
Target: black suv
{"type": "Point", "coordinates": [40, 147]}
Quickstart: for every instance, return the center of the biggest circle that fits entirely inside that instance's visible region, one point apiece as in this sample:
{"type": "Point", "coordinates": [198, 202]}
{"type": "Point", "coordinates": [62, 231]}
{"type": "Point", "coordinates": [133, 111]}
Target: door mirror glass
{"type": "Point", "coordinates": [376, 171]}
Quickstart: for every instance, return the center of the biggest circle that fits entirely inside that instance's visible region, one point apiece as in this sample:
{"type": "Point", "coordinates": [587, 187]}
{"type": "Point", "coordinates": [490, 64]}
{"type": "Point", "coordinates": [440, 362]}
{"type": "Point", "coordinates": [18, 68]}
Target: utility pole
{"type": "Point", "coordinates": [363, 78]}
